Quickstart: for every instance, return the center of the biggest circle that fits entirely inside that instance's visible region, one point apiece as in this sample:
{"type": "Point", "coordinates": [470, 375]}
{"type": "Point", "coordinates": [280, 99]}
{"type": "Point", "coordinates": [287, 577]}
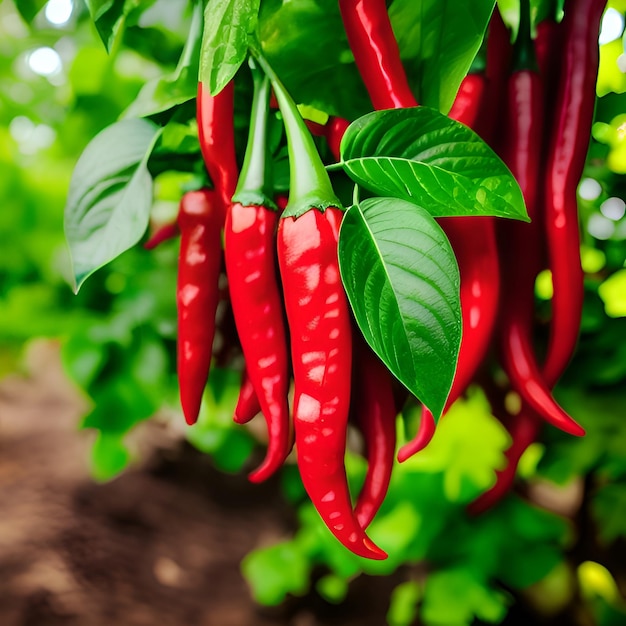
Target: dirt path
{"type": "Point", "coordinates": [160, 545]}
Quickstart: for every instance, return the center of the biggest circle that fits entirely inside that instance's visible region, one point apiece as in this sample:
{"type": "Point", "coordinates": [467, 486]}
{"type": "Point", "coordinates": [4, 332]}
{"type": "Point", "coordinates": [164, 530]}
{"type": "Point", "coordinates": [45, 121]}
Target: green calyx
{"type": "Point", "coordinates": [310, 186]}
{"type": "Point", "coordinates": [524, 51]}
{"type": "Point", "coordinates": [254, 187]}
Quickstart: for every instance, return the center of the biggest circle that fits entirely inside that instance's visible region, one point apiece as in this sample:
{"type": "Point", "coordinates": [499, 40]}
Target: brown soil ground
{"type": "Point", "coordinates": [160, 545]}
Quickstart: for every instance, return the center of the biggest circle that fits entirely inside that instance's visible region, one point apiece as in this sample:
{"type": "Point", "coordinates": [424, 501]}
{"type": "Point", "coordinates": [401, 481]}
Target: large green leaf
{"type": "Point", "coordinates": [438, 41]}
{"type": "Point", "coordinates": [110, 195]}
{"type": "Point", "coordinates": [402, 281]}
{"type": "Point", "coordinates": [424, 157]}
{"type": "Point", "coordinates": [228, 25]}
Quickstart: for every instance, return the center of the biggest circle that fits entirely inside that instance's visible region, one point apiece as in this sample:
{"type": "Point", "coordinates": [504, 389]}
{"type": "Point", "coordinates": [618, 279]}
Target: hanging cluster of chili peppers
{"type": "Point", "coordinates": [287, 299]}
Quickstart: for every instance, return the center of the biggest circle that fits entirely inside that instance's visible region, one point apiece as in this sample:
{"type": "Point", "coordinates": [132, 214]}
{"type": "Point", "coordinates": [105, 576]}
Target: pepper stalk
{"type": "Point", "coordinates": [254, 187]}
{"type": "Point", "coordinates": [310, 186]}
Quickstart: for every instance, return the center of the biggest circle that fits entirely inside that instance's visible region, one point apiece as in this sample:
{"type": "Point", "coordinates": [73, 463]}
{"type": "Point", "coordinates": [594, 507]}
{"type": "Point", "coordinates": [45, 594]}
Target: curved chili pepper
{"type": "Point", "coordinates": [566, 159]}
{"type": "Point", "coordinates": [580, 30]}
{"type": "Point", "coordinates": [376, 53]}
{"type": "Point", "coordinates": [523, 430]}
{"type": "Point", "coordinates": [248, 405]}
{"type": "Point", "coordinates": [319, 321]}
{"type": "Point", "coordinates": [162, 234]}
{"type": "Point", "coordinates": [249, 243]}
{"type": "Point", "coordinates": [217, 140]}
{"type": "Point", "coordinates": [520, 250]}
{"type": "Point", "coordinates": [374, 409]}
{"type": "Point", "coordinates": [200, 220]}
{"type": "Point", "coordinates": [257, 305]}
{"type": "Point", "coordinates": [321, 348]}
{"type": "Point", "coordinates": [474, 243]}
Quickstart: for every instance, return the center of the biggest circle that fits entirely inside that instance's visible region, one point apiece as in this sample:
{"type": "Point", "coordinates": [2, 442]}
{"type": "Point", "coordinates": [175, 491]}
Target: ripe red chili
{"type": "Point", "coordinates": [162, 234]}
{"type": "Point", "coordinates": [579, 30]}
{"type": "Point", "coordinates": [321, 349]}
{"type": "Point", "coordinates": [566, 159]}
{"type": "Point", "coordinates": [257, 305]}
{"type": "Point", "coordinates": [217, 140]}
{"type": "Point", "coordinates": [197, 295]}
{"type": "Point", "coordinates": [521, 243]}
{"type": "Point", "coordinates": [320, 328]}
{"type": "Point", "coordinates": [256, 299]}
{"type": "Point", "coordinates": [374, 410]}
{"type": "Point", "coordinates": [376, 53]}
{"type": "Point", "coordinates": [248, 405]}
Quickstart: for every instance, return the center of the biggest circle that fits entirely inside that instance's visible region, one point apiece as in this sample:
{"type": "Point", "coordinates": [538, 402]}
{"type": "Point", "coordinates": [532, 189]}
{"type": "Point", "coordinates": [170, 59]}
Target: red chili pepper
{"type": "Point", "coordinates": [257, 306]}
{"type": "Point", "coordinates": [474, 243]}
{"type": "Point", "coordinates": [574, 105]}
{"type": "Point", "coordinates": [374, 409]}
{"type": "Point", "coordinates": [200, 221]}
{"type": "Point", "coordinates": [162, 234]}
{"type": "Point", "coordinates": [523, 429]}
{"type": "Point", "coordinates": [321, 348]}
{"type": "Point", "coordinates": [376, 53]}
{"type": "Point", "coordinates": [248, 405]}
{"type": "Point", "coordinates": [566, 160]}
{"type": "Point", "coordinates": [249, 243]}
{"type": "Point", "coordinates": [320, 326]}
{"type": "Point", "coordinates": [217, 140]}
{"type": "Point", "coordinates": [521, 243]}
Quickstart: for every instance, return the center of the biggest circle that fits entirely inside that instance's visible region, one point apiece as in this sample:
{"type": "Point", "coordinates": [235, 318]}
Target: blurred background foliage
{"type": "Point", "coordinates": [557, 545]}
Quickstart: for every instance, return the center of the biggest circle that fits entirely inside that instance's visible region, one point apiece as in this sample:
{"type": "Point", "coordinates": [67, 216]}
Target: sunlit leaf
{"type": "Point", "coordinates": [424, 157]}
{"type": "Point", "coordinates": [402, 281]}
{"type": "Point", "coordinates": [228, 25]}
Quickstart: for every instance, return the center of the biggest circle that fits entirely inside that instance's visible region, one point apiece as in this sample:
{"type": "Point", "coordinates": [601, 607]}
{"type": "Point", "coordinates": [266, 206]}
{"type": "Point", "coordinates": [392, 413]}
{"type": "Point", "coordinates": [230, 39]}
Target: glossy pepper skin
{"type": "Point", "coordinates": [197, 294]}
{"type": "Point", "coordinates": [579, 32]}
{"type": "Point", "coordinates": [521, 251]}
{"type": "Point", "coordinates": [321, 349]}
{"type": "Point", "coordinates": [217, 140]}
{"type": "Point", "coordinates": [566, 159]}
{"type": "Point", "coordinates": [249, 243]}
{"type": "Point", "coordinates": [248, 405]}
{"type": "Point", "coordinates": [374, 411]}
{"type": "Point", "coordinates": [376, 53]}
{"type": "Point", "coordinates": [473, 240]}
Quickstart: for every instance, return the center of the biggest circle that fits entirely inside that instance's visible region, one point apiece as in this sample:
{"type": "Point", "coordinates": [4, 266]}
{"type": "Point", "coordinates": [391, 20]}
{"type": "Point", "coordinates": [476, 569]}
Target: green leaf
{"type": "Point", "coordinates": [403, 604]}
{"type": "Point", "coordinates": [402, 281]}
{"type": "Point", "coordinates": [227, 27]}
{"type": "Point", "coordinates": [306, 44]}
{"type": "Point", "coordinates": [332, 588]}
{"type": "Point", "coordinates": [108, 17]}
{"type": "Point", "coordinates": [110, 196]}
{"type": "Point", "coordinates": [29, 8]}
{"type": "Point", "coordinates": [456, 596]}
{"type": "Point", "coordinates": [166, 92]}
{"type": "Point", "coordinates": [109, 456]}
{"type": "Point", "coordinates": [422, 156]}
{"type": "Point", "coordinates": [276, 571]}
{"type": "Point", "coordinates": [438, 41]}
